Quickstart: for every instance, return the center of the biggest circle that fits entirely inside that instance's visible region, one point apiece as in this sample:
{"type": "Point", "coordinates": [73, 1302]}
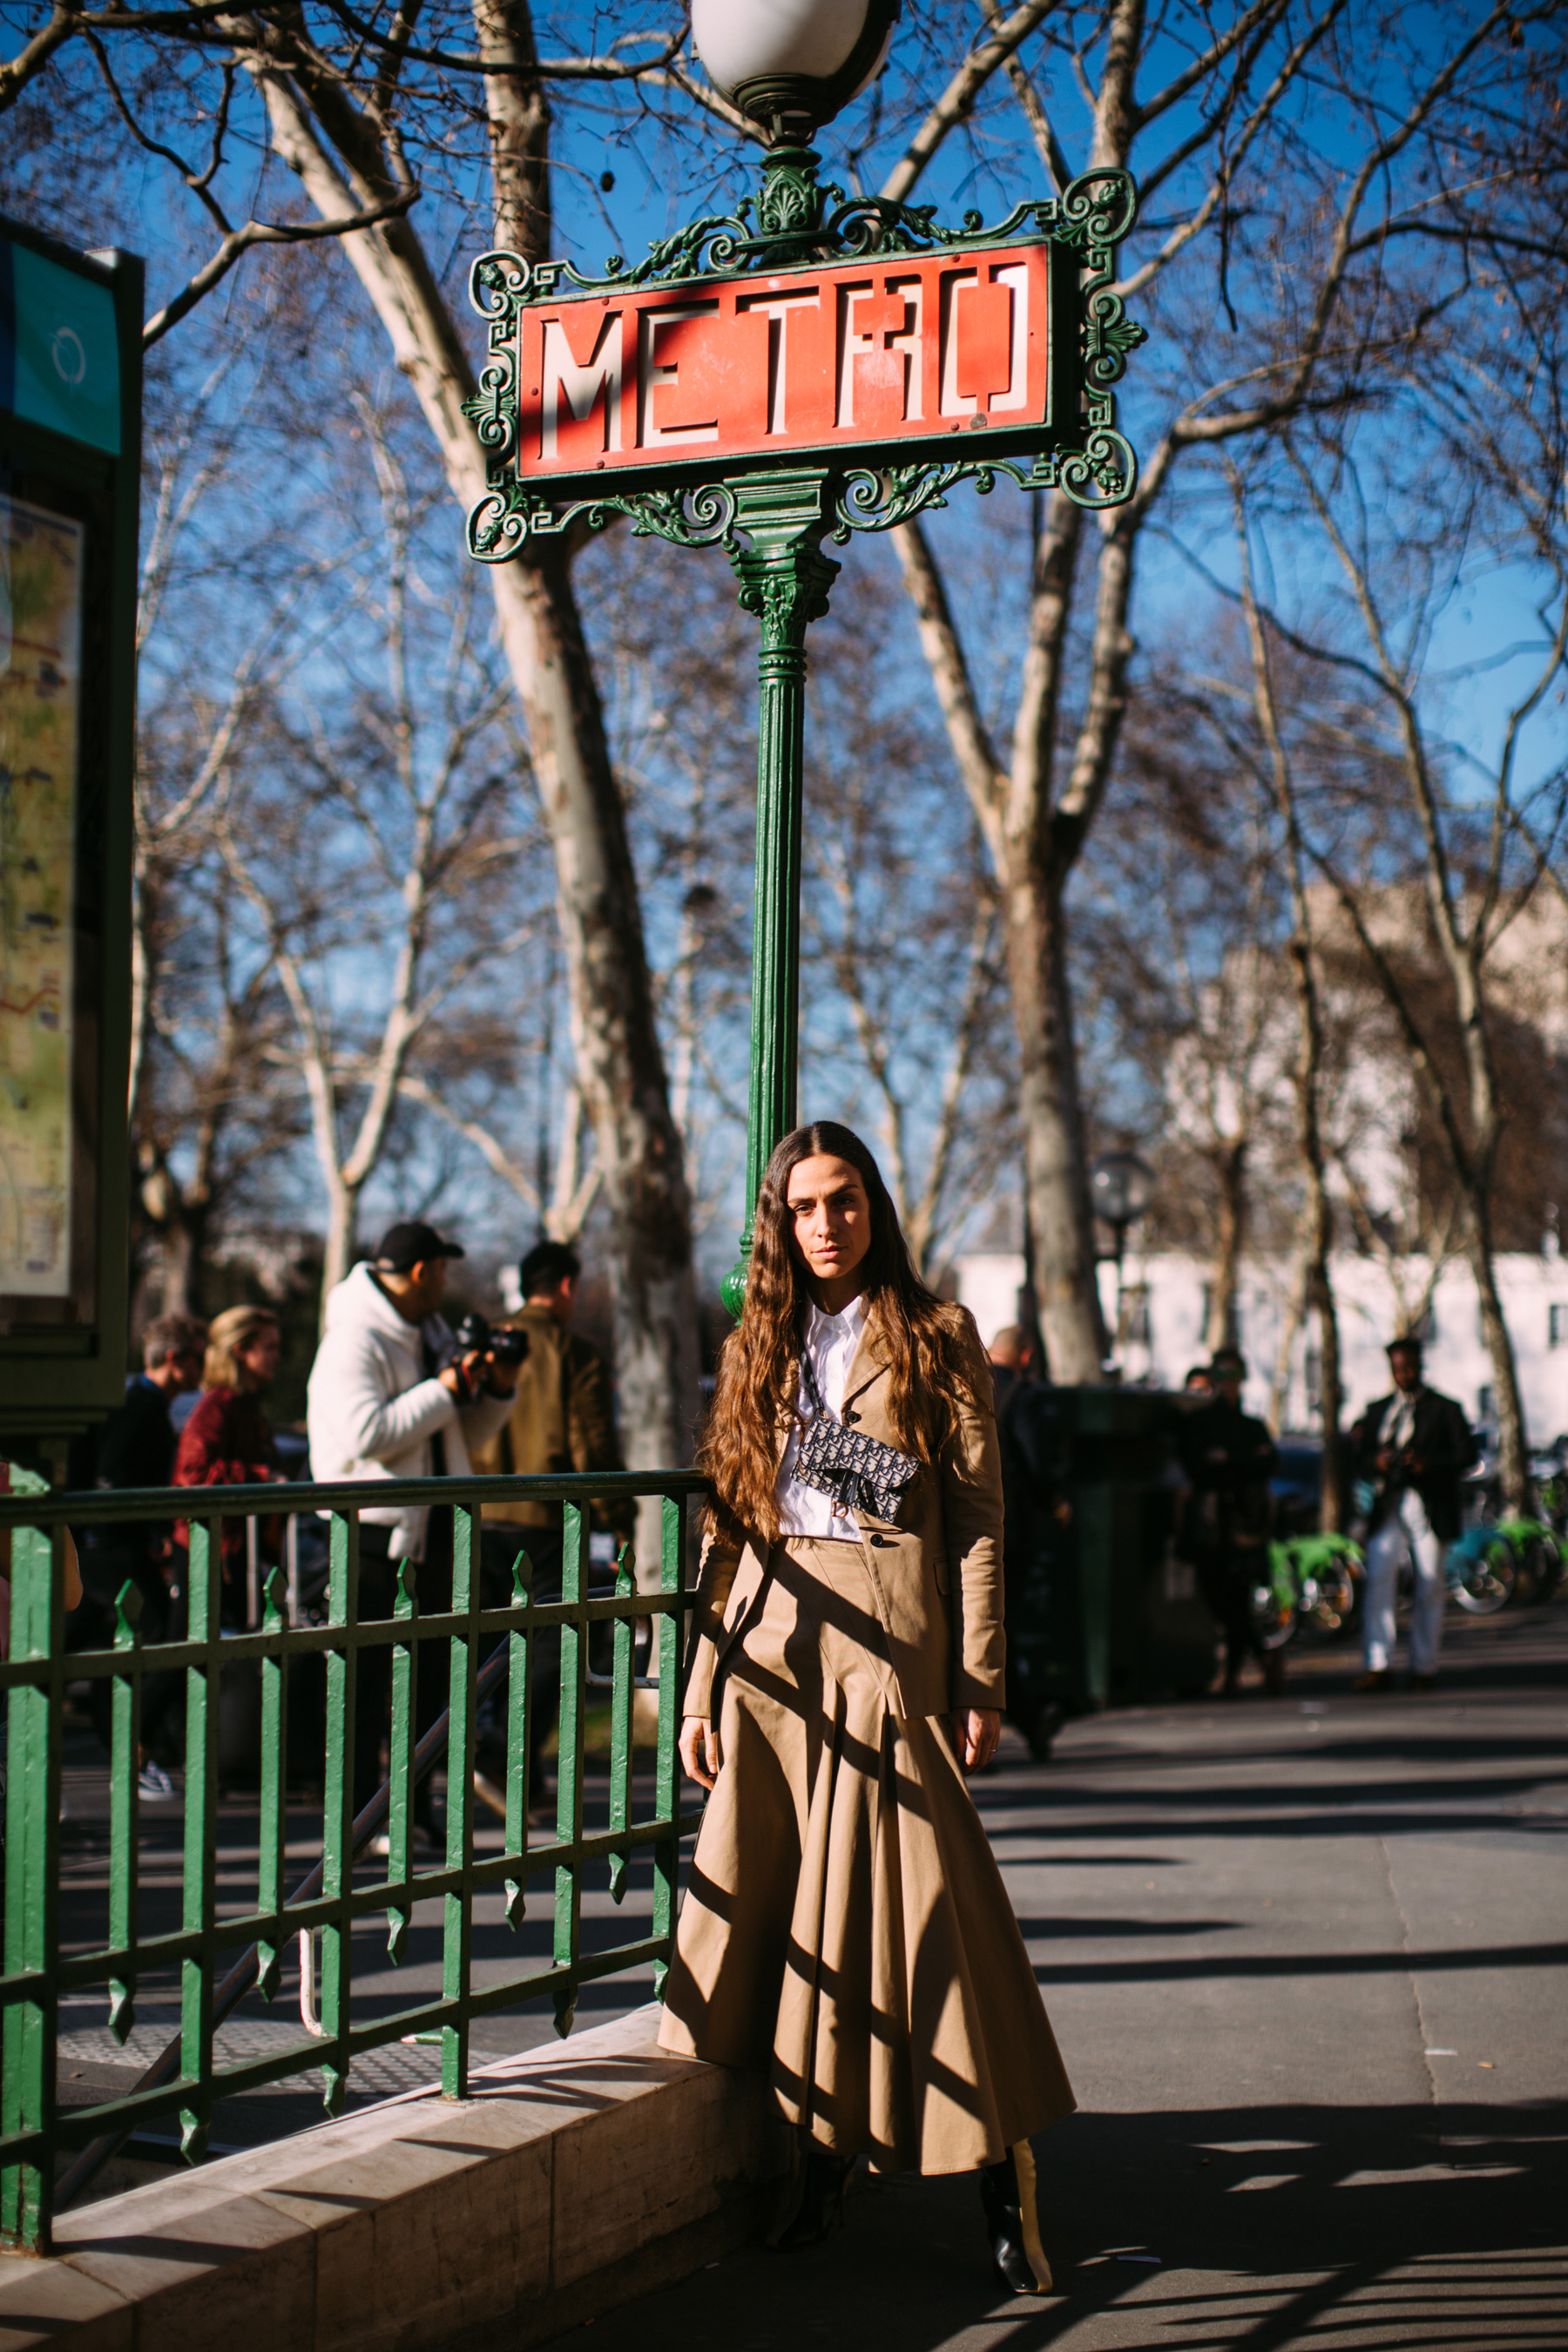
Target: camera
{"type": "Point", "coordinates": [475, 1336]}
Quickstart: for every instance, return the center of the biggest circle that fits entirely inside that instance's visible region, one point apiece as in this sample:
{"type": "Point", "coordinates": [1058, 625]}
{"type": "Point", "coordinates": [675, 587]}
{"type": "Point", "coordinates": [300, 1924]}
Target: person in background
{"type": "Point", "coordinates": [1012, 1361]}
{"type": "Point", "coordinates": [390, 1397]}
{"type": "Point", "coordinates": [1228, 1459]}
{"type": "Point", "coordinates": [135, 1447]}
{"type": "Point", "coordinates": [226, 1441]}
{"type": "Point", "coordinates": [1412, 1449]}
{"type": "Point", "coordinates": [563, 1420]}
{"type": "Point", "coordinates": [137, 1444]}
{"type": "Point", "coordinates": [1033, 1510]}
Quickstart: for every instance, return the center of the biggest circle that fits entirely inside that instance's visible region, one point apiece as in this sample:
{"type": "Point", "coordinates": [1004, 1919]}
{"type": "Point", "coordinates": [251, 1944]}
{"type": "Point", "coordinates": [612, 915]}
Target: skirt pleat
{"type": "Point", "coordinates": [845, 1927]}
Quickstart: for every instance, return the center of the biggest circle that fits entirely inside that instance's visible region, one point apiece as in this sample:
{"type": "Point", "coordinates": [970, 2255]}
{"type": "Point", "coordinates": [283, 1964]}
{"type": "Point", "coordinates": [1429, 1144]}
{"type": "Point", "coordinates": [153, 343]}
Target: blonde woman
{"type": "Point", "coordinates": [226, 1441]}
{"type": "Point", "coordinates": [846, 1928]}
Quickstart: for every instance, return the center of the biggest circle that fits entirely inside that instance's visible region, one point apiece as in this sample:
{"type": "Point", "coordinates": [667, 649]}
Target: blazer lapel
{"type": "Point", "coordinates": [870, 1360]}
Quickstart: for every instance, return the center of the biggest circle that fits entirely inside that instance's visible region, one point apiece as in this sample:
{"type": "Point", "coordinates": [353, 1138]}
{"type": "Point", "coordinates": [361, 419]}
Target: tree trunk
{"type": "Point", "coordinates": [620, 1061]}
{"type": "Point", "coordinates": [342, 1233]}
{"type": "Point", "coordinates": [1512, 1460]}
{"type": "Point", "coordinates": [1317, 1228]}
{"type": "Point", "coordinates": [1061, 1218]}
{"type": "Point", "coordinates": [1318, 1216]}
{"type": "Point", "coordinates": [615, 1033]}
{"type": "Point", "coordinates": [1221, 1326]}
{"type": "Point", "coordinates": [178, 1225]}
{"type": "Point", "coordinates": [1486, 1133]}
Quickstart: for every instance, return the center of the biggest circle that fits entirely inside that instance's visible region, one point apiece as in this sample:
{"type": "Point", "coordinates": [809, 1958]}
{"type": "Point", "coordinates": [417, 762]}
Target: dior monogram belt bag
{"type": "Point", "coordinates": [859, 1473]}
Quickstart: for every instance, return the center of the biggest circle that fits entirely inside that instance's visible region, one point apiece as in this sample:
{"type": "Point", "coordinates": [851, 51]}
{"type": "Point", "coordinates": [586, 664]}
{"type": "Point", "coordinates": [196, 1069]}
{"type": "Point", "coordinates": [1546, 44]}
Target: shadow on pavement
{"type": "Point", "coordinates": [1272, 2226]}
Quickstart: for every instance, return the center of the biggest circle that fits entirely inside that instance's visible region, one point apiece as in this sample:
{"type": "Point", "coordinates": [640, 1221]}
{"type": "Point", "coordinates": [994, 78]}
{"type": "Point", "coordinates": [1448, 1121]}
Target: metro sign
{"type": "Point", "coordinates": [900, 348]}
{"type": "Point", "coordinates": [851, 354]}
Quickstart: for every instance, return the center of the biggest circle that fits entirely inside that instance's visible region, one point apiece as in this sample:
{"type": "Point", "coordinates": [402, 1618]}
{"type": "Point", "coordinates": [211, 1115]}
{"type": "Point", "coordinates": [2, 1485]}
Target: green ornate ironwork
{"type": "Point", "coordinates": [770, 519]}
{"type": "Point", "coordinates": [795, 231]}
{"type": "Point", "coordinates": [476, 1649]}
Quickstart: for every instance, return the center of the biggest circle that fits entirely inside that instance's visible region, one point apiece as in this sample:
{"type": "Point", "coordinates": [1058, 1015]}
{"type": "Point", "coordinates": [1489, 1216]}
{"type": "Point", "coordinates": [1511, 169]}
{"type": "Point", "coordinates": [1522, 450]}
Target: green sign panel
{"type": "Point", "coordinates": [60, 349]}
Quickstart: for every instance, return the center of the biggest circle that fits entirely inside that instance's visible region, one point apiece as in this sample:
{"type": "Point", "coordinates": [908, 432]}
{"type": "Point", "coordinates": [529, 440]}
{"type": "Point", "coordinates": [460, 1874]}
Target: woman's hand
{"type": "Point", "coordinates": [699, 1754]}
{"type": "Point", "coordinates": [975, 1733]}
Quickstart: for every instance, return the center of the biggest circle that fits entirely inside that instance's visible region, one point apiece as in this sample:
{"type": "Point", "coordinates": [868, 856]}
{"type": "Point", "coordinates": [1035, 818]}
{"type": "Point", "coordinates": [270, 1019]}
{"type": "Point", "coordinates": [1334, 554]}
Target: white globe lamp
{"type": "Point", "coordinates": [790, 65]}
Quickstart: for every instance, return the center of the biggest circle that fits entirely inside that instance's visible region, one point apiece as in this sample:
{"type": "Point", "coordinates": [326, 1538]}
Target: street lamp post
{"type": "Point", "coordinates": [1122, 1188]}
{"type": "Point", "coordinates": [808, 366]}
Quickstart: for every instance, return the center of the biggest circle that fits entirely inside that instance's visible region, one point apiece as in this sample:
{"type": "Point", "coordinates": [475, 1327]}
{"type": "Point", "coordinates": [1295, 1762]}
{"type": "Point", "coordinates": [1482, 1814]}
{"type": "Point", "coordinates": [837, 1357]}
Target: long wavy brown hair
{"type": "Point", "coordinates": [932, 1372]}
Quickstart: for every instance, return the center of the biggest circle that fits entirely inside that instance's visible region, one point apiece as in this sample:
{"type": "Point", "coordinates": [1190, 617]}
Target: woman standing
{"type": "Point", "coordinates": [845, 1927]}
{"type": "Point", "coordinates": [226, 1441]}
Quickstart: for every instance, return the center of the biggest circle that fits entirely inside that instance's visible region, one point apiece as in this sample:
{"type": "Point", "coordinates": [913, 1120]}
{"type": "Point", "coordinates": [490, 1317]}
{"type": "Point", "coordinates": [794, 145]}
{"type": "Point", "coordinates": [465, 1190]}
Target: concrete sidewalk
{"type": "Point", "coordinates": [1307, 1963]}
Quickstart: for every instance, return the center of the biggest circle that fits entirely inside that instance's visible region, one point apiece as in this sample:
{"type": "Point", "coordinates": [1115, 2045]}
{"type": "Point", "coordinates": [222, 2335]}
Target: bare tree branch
{"type": "Point", "coordinates": [239, 241]}
{"type": "Point", "coordinates": [957, 100]}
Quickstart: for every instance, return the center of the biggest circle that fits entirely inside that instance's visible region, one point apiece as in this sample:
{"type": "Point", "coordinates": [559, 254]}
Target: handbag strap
{"type": "Point", "coordinates": [808, 1376]}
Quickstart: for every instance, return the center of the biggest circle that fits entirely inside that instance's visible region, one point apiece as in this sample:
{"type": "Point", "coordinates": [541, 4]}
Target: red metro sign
{"type": "Point", "coordinates": [852, 358]}
{"type": "Point", "coordinates": [899, 348]}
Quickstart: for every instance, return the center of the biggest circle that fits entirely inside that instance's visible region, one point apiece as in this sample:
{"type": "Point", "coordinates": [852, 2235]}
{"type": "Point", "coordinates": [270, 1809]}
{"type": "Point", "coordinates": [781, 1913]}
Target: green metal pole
{"type": "Point", "coordinates": [784, 580]}
{"type": "Point", "coordinates": [33, 1872]}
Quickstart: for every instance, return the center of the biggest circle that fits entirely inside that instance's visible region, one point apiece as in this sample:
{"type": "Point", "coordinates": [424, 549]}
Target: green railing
{"type": "Point", "coordinates": [488, 1651]}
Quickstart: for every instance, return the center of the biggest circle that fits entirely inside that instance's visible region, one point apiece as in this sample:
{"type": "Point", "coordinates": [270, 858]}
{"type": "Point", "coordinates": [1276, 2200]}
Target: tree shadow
{"type": "Point", "coordinates": [1269, 2226]}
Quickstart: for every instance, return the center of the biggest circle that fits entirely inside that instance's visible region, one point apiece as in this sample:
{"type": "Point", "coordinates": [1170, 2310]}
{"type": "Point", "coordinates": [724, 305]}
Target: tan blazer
{"type": "Point", "coordinates": [936, 1571]}
{"type": "Point", "coordinates": [563, 1420]}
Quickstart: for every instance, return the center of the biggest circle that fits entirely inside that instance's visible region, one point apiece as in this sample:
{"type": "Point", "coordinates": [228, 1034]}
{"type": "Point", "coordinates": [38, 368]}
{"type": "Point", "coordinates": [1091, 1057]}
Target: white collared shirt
{"type": "Point", "coordinates": [1399, 1421]}
{"type": "Point", "coordinates": [830, 1344]}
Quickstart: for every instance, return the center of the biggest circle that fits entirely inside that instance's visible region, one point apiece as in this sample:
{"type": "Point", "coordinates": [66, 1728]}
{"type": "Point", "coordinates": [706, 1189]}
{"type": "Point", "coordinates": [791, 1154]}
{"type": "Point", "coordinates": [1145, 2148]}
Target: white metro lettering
{"type": "Point", "coordinates": [775, 308]}
{"type": "Point", "coordinates": [655, 375]}
{"type": "Point", "coordinates": [885, 348]}
{"type": "Point", "coordinates": [582, 383]}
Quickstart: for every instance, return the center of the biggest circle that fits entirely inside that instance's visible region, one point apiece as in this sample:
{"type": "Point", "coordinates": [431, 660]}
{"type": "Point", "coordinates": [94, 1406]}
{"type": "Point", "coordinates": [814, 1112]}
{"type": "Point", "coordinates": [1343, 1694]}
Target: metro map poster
{"type": "Point", "coordinates": [41, 561]}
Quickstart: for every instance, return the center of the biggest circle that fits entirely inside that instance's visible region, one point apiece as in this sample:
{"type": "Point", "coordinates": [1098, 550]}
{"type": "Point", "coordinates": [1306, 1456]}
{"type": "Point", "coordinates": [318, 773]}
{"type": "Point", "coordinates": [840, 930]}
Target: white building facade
{"type": "Point", "coordinates": [1164, 1305]}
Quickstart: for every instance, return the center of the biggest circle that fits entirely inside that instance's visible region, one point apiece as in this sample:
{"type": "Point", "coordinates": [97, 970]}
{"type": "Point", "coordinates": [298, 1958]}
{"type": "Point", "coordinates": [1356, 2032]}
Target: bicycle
{"type": "Point", "coordinates": [1322, 1574]}
{"type": "Point", "coordinates": [1482, 1569]}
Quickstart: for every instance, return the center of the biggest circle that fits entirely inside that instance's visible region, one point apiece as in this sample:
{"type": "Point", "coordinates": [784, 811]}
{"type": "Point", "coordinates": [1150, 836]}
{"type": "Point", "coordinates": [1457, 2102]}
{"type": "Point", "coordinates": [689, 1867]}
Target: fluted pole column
{"type": "Point", "coordinates": [784, 580]}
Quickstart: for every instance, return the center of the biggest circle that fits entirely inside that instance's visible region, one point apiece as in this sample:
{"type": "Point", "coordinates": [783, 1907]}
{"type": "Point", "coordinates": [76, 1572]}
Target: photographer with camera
{"type": "Point", "coordinates": [1408, 1452]}
{"type": "Point", "coordinates": [394, 1393]}
{"type": "Point", "coordinates": [563, 1421]}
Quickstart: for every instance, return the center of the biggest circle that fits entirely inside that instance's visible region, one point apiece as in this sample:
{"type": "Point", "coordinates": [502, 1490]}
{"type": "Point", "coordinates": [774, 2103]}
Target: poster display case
{"type": "Point", "coordinates": [69, 467]}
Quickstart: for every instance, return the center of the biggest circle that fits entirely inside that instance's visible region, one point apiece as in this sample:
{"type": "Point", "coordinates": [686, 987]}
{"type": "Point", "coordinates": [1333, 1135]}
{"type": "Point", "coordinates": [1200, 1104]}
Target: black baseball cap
{"type": "Point", "coordinates": [403, 1247]}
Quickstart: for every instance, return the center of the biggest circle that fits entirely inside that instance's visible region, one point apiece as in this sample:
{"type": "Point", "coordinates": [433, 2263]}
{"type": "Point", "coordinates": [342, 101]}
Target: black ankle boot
{"type": "Point", "coordinates": [1007, 2195]}
{"type": "Point", "coordinates": [821, 2206]}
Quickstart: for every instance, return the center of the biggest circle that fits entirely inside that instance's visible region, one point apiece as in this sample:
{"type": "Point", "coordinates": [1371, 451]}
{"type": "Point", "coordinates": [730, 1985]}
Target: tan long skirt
{"type": "Point", "coordinates": [846, 1928]}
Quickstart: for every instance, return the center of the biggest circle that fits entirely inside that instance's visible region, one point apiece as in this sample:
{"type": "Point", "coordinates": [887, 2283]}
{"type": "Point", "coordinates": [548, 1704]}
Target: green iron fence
{"type": "Point", "coordinates": [488, 1652]}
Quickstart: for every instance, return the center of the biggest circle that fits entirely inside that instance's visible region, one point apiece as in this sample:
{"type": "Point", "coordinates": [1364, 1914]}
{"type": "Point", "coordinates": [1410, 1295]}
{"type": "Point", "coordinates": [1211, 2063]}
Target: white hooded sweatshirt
{"type": "Point", "coordinates": [373, 1409]}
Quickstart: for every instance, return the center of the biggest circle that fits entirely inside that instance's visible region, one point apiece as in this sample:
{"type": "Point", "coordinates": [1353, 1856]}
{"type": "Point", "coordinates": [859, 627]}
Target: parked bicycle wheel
{"type": "Point", "coordinates": [1325, 1569]}
{"type": "Point", "coordinates": [1273, 1616]}
{"type": "Point", "coordinates": [1483, 1571]}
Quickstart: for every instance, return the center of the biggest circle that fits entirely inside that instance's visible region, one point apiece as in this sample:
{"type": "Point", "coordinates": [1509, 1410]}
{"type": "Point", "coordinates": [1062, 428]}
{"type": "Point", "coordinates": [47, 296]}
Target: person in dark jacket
{"type": "Point", "coordinates": [1412, 1449]}
{"type": "Point", "coordinates": [1034, 1512]}
{"type": "Point", "coordinates": [135, 1448]}
{"type": "Point", "coordinates": [137, 1442]}
{"type": "Point", "coordinates": [1228, 1459]}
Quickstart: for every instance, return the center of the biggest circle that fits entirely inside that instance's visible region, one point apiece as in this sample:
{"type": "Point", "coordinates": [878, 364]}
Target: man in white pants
{"type": "Point", "coordinates": [1412, 1448]}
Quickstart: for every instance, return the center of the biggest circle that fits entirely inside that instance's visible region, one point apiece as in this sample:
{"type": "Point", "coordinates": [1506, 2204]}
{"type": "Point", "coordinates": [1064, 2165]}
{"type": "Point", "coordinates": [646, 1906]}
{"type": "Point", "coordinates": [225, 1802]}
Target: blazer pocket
{"type": "Point", "coordinates": [943, 1579]}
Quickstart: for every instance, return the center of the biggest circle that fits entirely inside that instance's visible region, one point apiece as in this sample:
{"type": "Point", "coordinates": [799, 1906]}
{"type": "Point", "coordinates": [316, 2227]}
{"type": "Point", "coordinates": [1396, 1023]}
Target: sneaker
{"type": "Point", "coordinates": [1423, 1682]}
{"type": "Point", "coordinates": [153, 1783]}
{"type": "Point", "coordinates": [1376, 1678]}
